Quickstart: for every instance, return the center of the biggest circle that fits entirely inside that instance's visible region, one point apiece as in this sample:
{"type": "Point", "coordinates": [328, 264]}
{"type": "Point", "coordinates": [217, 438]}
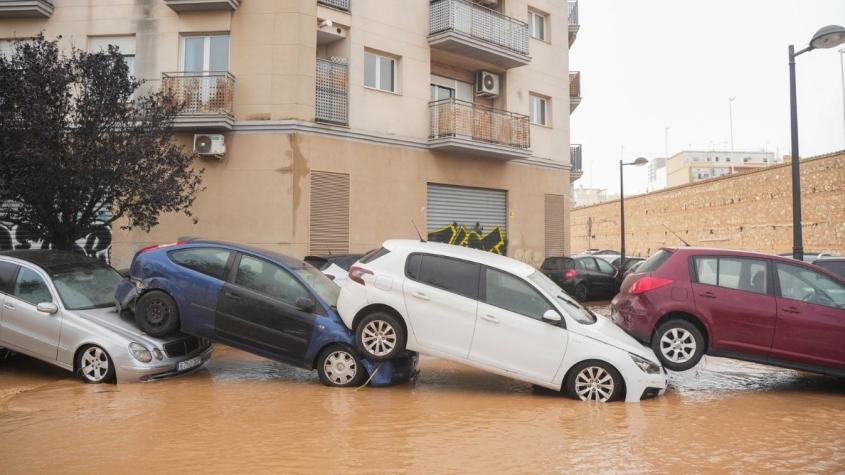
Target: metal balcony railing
{"type": "Point", "coordinates": [575, 158]}
{"type": "Point", "coordinates": [332, 99]}
{"type": "Point", "coordinates": [455, 118]}
{"type": "Point", "coordinates": [202, 92]}
{"type": "Point", "coordinates": [573, 12]}
{"type": "Point", "coordinates": [574, 84]}
{"type": "Point", "coordinates": [479, 22]}
{"type": "Point", "coordinates": [339, 4]}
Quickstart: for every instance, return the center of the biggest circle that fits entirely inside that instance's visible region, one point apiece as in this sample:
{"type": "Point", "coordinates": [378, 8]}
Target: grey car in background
{"type": "Point", "coordinates": [59, 307]}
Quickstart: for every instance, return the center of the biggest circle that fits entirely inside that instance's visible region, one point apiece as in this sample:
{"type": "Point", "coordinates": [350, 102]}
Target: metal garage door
{"type": "Point", "coordinates": [472, 217]}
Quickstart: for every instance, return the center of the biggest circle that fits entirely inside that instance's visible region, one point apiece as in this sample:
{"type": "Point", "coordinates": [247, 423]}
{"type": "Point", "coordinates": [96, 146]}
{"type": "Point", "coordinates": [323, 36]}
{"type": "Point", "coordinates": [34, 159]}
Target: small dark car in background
{"type": "Point", "coordinates": [336, 267]}
{"type": "Point", "coordinates": [835, 265]}
{"type": "Point", "coordinates": [584, 277]}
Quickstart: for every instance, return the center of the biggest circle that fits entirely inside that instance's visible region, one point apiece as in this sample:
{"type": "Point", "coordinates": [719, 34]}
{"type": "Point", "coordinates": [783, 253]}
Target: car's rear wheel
{"type": "Point", "coordinates": [156, 314]}
{"type": "Point", "coordinates": [595, 381]}
{"type": "Point", "coordinates": [678, 344]}
{"type": "Point", "coordinates": [581, 292]}
{"type": "Point", "coordinates": [340, 366]}
{"type": "Point", "coordinates": [380, 336]}
{"type": "Point", "coordinates": [95, 365]}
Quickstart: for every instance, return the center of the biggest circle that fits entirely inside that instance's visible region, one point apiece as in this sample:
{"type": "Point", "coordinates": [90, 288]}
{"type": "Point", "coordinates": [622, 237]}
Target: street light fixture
{"type": "Point", "coordinates": [640, 161]}
{"type": "Point", "coordinates": [827, 37]}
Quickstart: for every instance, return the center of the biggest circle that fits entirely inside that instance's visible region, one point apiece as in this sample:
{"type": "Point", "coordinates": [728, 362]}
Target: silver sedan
{"type": "Point", "coordinates": [59, 307]}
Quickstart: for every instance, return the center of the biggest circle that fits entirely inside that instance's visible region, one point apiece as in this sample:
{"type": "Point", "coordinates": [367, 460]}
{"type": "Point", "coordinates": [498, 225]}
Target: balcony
{"type": "Point", "coordinates": [470, 30]}
{"type": "Point", "coordinates": [575, 170]}
{"type": "Point", "coordinates": [574, 26]}
{"type": "Point", "coordinates": [574, 90]}
{"type": "Point", "coordinates": [332, 99]}
{"type": "Point", "coordinates": [206, 98]}
{"type": "Point", "coordinates": [202, 5]}
{"type": "Point", "coordinates": [336, 4]}
{"type": "Point", "coordinates": [26, 8]}
{"type": "Point", "coordinates": [463, 127]}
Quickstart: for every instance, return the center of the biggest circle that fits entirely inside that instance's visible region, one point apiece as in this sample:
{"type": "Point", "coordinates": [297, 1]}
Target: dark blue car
{"type": "Point", "coordinates": [259, 301]}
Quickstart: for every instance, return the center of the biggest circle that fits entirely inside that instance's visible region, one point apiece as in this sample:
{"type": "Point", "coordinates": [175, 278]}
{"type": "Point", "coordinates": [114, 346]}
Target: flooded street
{"type": "Point", "coordinates": [247, 414]}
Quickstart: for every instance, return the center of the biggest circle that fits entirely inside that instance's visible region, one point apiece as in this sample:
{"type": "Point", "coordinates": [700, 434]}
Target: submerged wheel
{"type": "Point", "coordinates": [380, 336]}
{"type": "Point", "coordinates": [678, 344]}
{"type": "Point", "coordinates": [581, 292]}
{"type": "Point", "coordinates": [339, 366]}
{"type": "Point", "coordinates": [594, 381]}
{"type": "Point", "coordinates": [95, 365]}
{"type": "Point", "coordinates": [156, 314]}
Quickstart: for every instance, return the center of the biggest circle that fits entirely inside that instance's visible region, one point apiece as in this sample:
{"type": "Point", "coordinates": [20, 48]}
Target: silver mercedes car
{"type": "Point", "coordinates": [59, 307]}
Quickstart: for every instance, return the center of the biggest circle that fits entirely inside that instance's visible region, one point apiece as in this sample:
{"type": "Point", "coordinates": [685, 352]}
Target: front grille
{"type": "Point", "coordinates": [182, 347]}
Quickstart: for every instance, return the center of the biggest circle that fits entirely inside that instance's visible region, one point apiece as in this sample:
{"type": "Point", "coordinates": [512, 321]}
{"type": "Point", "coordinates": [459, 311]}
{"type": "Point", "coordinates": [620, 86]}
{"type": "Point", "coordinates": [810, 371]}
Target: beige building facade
{"type": "Point", "coordinates": [344, 121]}
{"type": "Point", "coordinates": [690, 166]}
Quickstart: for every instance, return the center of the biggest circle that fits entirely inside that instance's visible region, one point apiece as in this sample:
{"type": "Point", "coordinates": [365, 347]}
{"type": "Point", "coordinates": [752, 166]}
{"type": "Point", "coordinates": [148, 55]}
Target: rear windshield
{"type": "Point", "coordinates": [373, 255]}
{"type": "Point", "coordinates": [655, 261]}
{"type": "Point", "coordinates": [318, 262]}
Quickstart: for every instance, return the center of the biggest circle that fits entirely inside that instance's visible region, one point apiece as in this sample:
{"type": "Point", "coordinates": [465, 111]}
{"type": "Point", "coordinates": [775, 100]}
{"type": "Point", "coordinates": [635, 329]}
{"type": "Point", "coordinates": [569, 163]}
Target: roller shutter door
{"type": "Point", "coordinates": [329, 209]}
{"type": "Point", "coordinates": [473, 217]}
{"type": "Point", "coordinates": [555, 210]}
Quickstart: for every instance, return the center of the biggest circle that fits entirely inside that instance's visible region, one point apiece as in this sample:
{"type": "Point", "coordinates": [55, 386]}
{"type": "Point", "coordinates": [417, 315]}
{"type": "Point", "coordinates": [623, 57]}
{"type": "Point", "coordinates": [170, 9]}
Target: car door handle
{"type": "Point", "coordinates": [790, 310]}
{"type": "Point", "coordinates": [8, 306]}
{"type": "Point", "coordinates": [708, 295]}
{"type": "Point", "coordinates": [420, 295]}
{"type": "Point", "coordinates": [231, 296]}
{"type": "Point", "coordinates": [490, 318]}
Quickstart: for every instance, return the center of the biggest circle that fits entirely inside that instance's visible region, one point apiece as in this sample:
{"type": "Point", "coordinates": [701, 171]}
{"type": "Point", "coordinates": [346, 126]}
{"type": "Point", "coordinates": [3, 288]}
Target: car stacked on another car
{"type": "Point", "coordinates": [336, 267]}
{"type": "Point", "coordinates": [687, 302]}
{"type": "Point", "coordinates": [59, 307]}
{"type": "Point", "coordinates": [584, 277]}
{"type": "Point", "coordinates": [494, 313]}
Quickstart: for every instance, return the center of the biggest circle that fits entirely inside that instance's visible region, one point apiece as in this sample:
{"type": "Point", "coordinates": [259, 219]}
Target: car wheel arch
{"type": "Point", "coordinates": [316, 359]}
{"type": "Point", "coordinates": [687, 316]}
{"type": "Point", "coordinates": [379, 308]}
{"type": "Point", "coordinates": [624, 393]}
{"type": "Point", "coordinates": [85, 345]}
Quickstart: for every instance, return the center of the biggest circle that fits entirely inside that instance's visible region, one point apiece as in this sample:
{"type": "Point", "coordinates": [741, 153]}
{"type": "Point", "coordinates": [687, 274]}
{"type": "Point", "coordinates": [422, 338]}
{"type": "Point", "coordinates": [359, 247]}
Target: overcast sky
{"type": "Point", "coordinates": [650, 64]}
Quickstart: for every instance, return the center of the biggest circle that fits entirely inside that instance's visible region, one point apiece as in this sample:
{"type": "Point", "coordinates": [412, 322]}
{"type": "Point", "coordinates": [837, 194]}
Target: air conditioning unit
{"type": "Point", "coordinates": [486, 83]}
{"type": "Point", "coordinates": [209, 144]}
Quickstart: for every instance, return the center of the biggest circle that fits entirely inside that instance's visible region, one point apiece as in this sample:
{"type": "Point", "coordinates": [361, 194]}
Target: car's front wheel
{"type": "Point", "coordinates": [156, 314]}
{"type": "Point", "coordinates": [380, 336]}
{"type": "Point", "coordinates": [95, 365]}
{"type": "Point", "coordinates": [339, 366]}
{"type": "Point", "coordinates": [581, 292]}
{"type": "Point", "coordinates": [678, 344]}
{"type": "Point", "coordinates": [594, 381]}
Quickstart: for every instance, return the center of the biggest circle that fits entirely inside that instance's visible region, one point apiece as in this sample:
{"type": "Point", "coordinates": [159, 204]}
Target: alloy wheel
{"type": "Point", "coordinates": [340, 367]}
{"type": "Point", "coordinates": [379, 337]}
{"type": "Point", "coordinates": [594, 383]}
{"type": "Point", "coordinates": [677, 345]}
{"type": "Point", "coordinates": [95, 364]}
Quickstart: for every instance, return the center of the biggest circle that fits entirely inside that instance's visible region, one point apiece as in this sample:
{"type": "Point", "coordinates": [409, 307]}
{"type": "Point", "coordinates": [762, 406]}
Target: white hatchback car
{"type": "Point", "coordinates": [495, 313]}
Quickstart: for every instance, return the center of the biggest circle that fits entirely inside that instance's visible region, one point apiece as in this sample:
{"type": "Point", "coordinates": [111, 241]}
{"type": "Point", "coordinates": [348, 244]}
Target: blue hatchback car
{"type": "Point", "coordinates": [259, 301]}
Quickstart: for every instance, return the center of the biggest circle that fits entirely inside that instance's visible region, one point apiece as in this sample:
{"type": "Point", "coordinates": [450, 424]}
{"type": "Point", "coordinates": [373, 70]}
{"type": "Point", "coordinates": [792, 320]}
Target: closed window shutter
{"type": "Point", "coordinates": [329, 222]}
{"type": "Point", "coordinates": [555, 209]}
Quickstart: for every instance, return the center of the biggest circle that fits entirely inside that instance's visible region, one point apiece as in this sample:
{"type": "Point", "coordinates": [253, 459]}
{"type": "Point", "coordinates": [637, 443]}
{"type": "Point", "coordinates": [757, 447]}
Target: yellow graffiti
{"type": "Point", "coordinates": [493, 241]}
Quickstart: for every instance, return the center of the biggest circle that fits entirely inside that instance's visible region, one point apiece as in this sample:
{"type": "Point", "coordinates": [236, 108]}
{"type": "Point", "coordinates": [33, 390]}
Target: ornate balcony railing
{"type": "Point", "coordinates": [25, 8]}
{"type": "Point", "coordinates": [332, 99]}
{"type": "Point", "coordinates": [205, 92]}
{"type": "Point", "coordinates": [339, 4]}
{"type": "Point", "coordinates": [476, 21]}
{"type": "Point", "coordinates": [455, 118]}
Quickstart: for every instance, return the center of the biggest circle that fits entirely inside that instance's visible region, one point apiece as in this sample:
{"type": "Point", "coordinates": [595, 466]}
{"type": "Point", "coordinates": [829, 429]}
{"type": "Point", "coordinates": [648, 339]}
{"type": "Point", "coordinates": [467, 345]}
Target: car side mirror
{"type": "Point", "coordinates": [552, 317]}
{"type": "Point", "coordinates": [47, 307]}
{"type": "Point", "coordinates": [306, 304]}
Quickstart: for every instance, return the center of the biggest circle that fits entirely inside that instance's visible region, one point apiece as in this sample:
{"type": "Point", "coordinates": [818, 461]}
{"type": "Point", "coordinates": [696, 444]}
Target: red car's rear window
{"type": "Point", "coordinates": [655, 261]}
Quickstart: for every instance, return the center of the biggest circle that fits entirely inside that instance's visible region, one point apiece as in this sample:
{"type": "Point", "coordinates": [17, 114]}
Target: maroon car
{"type": "Point", "coordinates": [686, 302]}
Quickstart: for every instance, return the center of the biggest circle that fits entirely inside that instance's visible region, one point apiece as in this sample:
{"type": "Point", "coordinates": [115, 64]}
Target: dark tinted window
{"type": "Point", "coordinates": [30, 287]}
{"type": "Point", "coordinates": [605, 267]}
{"type": "Point", "coordinates": [558, 263]}
{"type": "Point", "coordinates": [512, 293]}
{"type": "Point", "coordinates": [837, 267]}
{"type": "Point", "coordinates": [269, 279]}
{"type": "Point", "coordinates": [749, 275]}
{"type": "Point", "coordinates": [655, 261]}
{"type": "Point", "coordinates": [449, 274]}
{"type": "Point", "coordinates": [373, 255]}
{"type": "Point", "coordinates": [346, 262]}
{"type": "Point", "coordinates": [7, 276]}
{"type": "Point", "coordinates": [588, 263]}
{"type": "Point", "coordinates": [208, 260]}
{"type": "Point", "coordinates": [412, 268]}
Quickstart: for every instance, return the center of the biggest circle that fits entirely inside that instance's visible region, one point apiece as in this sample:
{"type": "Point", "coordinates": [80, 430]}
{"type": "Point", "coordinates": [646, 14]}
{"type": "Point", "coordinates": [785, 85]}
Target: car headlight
{"type": "Point", "coordinates": [645, 365]}
{"type": "Point", "coordinates": [140, 353]}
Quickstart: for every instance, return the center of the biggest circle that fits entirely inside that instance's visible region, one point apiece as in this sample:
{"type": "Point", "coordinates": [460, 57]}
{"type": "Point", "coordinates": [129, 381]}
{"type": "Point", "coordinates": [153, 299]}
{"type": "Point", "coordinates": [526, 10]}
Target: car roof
{"type": "Point", "coordinates": [830, 258]}
{"type": "Point", "coordinates": [51, 259]}
{"type": "Point", "coordinates": [459, 252]}
{"type": "Point", "coordinates": [277, 257]}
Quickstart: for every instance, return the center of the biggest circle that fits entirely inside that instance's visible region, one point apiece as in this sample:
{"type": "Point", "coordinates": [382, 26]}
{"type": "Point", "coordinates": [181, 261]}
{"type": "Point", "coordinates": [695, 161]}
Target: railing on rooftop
{"type": "Point", "coordinates": [456, 118]}
{"type": "Point", "coordinates": [339, 4]}
{"type": "Point", "coordinates": [202, 92]}
{"type": "Point", "coordinates": [573, 11]}
{"type": "Point", "coordinates": [478, 22]}
{"type": "Point", "coordinates": [332, 99]}
{"type": "Point", "coordinates": [574, 84]}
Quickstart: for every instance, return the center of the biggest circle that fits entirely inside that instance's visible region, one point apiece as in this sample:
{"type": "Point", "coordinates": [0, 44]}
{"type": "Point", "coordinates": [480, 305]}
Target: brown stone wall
{"type": "Point", "coordinates": [752, 211]}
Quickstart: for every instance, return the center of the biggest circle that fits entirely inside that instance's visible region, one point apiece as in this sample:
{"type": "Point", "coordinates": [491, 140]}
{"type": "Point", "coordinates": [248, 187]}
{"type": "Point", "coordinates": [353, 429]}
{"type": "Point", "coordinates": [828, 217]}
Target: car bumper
{"type": "Point", "coordinates": [646, 386]}
{"type": "Point", "coordinates": [125, 295]}
{"type": "Point", "coordinates": [397, 371]}
{"type": "Point", "coordinates": [140, 372]}
{"type": "Point", "coordinates": [633, 320]}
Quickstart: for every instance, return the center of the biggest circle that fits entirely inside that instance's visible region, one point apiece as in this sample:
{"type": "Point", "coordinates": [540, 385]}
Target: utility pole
{"type": "Point", "coordinates": [731, 117]}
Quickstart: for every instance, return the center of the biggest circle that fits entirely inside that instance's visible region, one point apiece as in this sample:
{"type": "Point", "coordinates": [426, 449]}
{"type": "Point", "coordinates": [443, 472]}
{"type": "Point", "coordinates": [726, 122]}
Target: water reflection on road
{"type": "Point", "coordinates": [247, 414]}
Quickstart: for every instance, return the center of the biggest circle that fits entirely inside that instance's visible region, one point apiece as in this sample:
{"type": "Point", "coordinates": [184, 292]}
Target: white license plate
{"type": "Point", "coordinates": [188, 364]}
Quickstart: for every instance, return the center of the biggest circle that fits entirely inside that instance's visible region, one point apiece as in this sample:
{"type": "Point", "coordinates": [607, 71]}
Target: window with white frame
{"type": "Point", "coordinates": [379, 72]}
{"type": "Point", "coordinates": [539, 112]}
{"type": "Point", "coordinates": [537, 25]}
{"type": "Point", "coordinates": [205, 53]}
{"type": "Point", "coordinates": [124, 44]}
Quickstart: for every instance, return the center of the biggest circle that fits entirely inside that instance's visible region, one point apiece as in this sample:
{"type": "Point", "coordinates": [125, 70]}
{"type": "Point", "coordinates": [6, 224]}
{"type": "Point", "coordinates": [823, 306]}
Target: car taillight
{"type": "Point", "coordinates": [648, 283]}
{"type": "Point", "coordinates": [159, 246]}
{"type": "Point", "coordinates": [570, 274]}
{"type": "Point", "coordinates": [356, 274]}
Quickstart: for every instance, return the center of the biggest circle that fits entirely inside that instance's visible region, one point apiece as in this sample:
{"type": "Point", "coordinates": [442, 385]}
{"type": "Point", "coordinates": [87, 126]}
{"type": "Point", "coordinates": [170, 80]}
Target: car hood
{"type": "Point", "coordinates": [122, 325]}
{"type": "Point", "coordinates": [607, 332]}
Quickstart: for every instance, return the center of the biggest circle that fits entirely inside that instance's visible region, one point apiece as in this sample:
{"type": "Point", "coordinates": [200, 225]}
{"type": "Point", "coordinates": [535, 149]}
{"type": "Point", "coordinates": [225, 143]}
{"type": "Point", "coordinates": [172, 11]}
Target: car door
{"type": "Point", "coordinates": [441, 299]}
{"type": "Point", "coordinates": [510, 334]}
{"type": "Point", "coordinates": [811, 317]}
{"type": "Point", "coordinates": [590, 271]}
{"type": "Point", "coordinates": [201, 285]}
{"type": "Point", "coordinates": [734, 296]}
{"type": "Point", "coordinates": [24, 327]}
{"type": "Point", "coordinates": [606, 277]}
{"type": "Point", "coordinates": [8, 273]}
{"type": "Point", "coordinates": [258, 309]}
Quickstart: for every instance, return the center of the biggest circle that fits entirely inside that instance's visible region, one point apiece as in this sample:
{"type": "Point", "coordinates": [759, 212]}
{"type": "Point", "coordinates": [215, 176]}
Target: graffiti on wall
{"type": "Point", "coordinates": [493, 241]}
{"type": "Point", "coordinates": [96, 244]}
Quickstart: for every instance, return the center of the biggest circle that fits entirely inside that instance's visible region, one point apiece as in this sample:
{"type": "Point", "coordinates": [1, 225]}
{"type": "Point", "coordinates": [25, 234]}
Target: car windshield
{"type": "Point", "coordinates": [87, 286]}
{"type": "Point", "coordinates": [573, 308]}
{"type": "Point", "coordinates": [320, 284]}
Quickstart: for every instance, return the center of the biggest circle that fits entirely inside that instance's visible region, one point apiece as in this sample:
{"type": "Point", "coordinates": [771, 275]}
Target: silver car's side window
{"type": "Point", "coordinates": [7, 277]}
{"type": "Point", "coordinates": [30, 287]}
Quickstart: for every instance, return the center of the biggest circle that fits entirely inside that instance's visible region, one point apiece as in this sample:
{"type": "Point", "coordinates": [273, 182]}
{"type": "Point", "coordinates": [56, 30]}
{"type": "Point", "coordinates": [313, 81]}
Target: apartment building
{"type": "Point", "coordinates": [690, 166]}
{"type": "Point", "coordinates": [327, 126]}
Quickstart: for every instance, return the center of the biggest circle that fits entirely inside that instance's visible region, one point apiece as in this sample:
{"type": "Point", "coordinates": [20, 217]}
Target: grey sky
{"type": "Point", "coordinates": [650, 64]}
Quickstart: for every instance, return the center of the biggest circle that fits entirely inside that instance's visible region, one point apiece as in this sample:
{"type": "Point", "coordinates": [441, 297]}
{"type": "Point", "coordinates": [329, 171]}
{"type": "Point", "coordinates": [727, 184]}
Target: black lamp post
{"type": "Point", "coordinates": [637, 163]}
{"type": "Point", "coordinates": [827, 37]}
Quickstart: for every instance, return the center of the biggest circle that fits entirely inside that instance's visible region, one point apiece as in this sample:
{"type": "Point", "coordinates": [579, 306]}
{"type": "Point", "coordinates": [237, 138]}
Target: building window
{"type": "Point", "coordinates": [205, 53]}
{"type": "Point", "coordinates": [537, 25]}
{"type": "Point", "coordinates": [539, 110]}
{"type": "Point", "coordinates": [379, 72]}
{"type": "Point", "coordinates": [125, 46]}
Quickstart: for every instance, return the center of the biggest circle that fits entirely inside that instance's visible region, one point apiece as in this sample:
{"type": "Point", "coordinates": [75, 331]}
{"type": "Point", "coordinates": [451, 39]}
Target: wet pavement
{"type": "Point", "coordinates": [244, 414]}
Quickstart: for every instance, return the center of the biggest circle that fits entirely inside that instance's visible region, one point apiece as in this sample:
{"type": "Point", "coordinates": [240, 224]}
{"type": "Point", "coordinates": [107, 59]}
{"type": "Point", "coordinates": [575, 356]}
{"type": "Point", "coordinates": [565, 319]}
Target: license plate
{"type": "Point", "coordinates": [188, 364]}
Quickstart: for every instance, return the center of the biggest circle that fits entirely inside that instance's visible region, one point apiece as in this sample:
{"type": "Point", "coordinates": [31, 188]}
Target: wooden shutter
{"type": "Point", "coordinates": [555, 210]}
{"type": "Point", "coordinates": [329, 222]}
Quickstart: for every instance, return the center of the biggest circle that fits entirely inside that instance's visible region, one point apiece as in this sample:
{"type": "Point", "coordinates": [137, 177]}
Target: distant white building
{"type": "Point", "coordinates": [588, 196]}
{"type": "Point", "coordinates": [656, 174]}
{"type": "Point", "coordinates": [690, 166]}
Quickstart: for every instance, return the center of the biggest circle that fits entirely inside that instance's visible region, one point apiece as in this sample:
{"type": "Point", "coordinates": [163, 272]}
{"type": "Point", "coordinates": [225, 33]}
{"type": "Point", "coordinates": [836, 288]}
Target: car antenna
{"type": "Point", "coordinates": [676, 235]}
{"type": "Point", "coordinates": [417, 230]}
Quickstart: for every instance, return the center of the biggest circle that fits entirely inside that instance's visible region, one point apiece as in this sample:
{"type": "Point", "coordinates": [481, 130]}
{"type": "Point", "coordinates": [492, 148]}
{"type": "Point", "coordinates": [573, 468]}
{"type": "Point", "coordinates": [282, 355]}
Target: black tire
{"type": "Point", "coordinates": [381, 329]}
{"type": "Point", "coordinates": [339, 366]}
{"type": "Point", "coordinates": [156, 314]}
{"type": "Point", "coordinates": [94, 365]}
{"type": "Point", "coordinates": [6, 354]}
{"type": "Point", "coordinates": [581, 292]}
{"type": "Point", "coordinates": [673, 353]}
{"type": "Point", "coordinates": [579, 382]}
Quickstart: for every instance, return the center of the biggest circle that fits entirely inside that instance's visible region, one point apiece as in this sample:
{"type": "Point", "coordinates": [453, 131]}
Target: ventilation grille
{"type": "Point", "coordinates": [555, 206]}
{"type": "Point", "coordinates": [329, 225]}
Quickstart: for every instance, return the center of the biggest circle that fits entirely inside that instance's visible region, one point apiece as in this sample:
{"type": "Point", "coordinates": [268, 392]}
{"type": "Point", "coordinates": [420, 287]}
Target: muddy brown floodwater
{"type": "Point", "coordinates": [249, 415]}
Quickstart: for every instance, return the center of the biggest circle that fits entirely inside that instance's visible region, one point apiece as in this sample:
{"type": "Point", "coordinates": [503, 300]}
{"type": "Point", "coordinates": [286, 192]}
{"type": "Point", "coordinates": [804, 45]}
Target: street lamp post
{"type": "Point", "coordinates": [827, 37]}
{"type": "Point", "coordinates": [637, 163]}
